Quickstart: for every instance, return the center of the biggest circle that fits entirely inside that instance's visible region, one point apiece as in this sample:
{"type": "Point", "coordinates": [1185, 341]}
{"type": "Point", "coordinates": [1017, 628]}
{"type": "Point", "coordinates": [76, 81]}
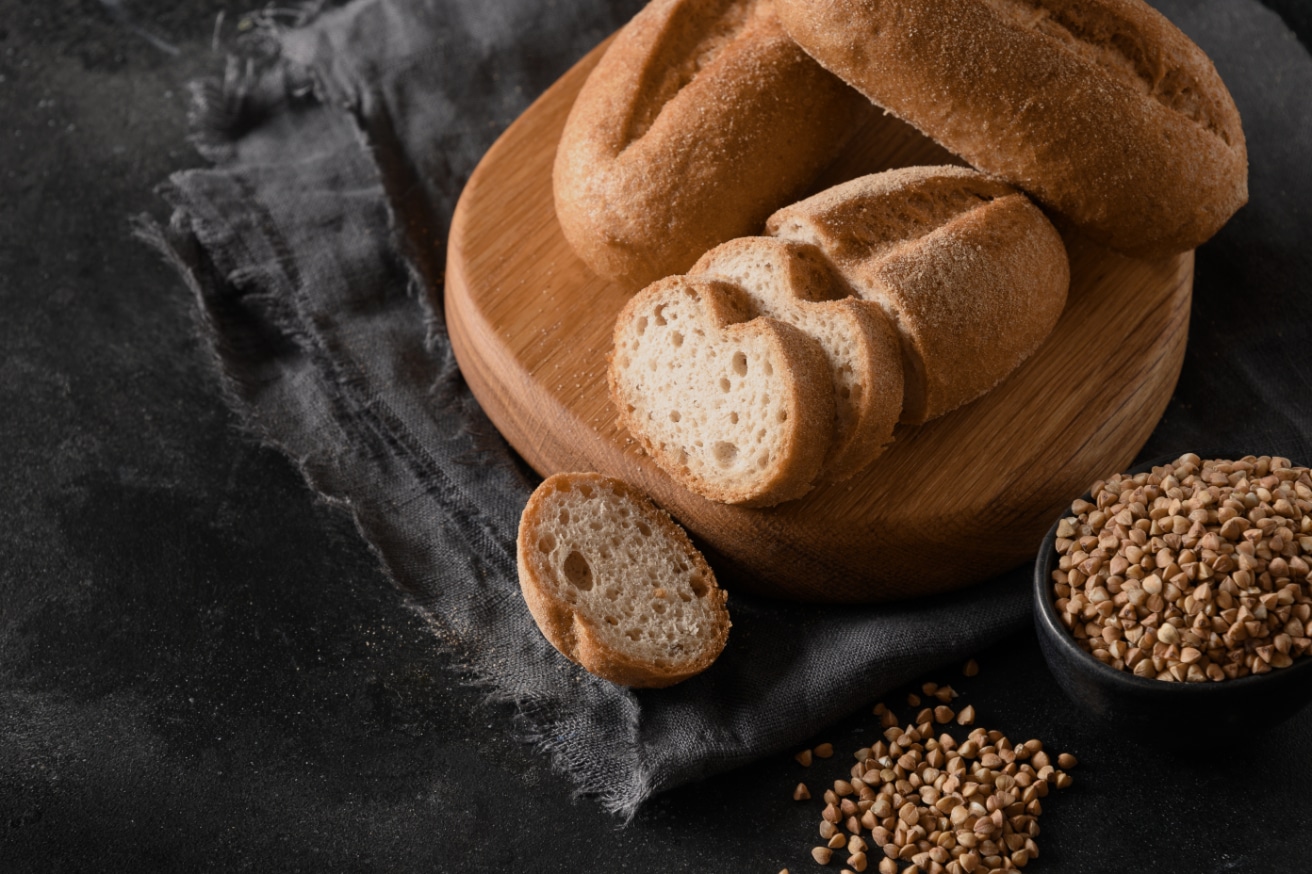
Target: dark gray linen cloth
{"type": "Point", "coordinates": [340, 140]}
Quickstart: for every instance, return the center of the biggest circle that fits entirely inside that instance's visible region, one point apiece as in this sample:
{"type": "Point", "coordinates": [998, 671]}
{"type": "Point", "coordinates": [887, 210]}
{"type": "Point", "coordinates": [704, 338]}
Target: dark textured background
{"type": "Point", "coordinates": [202, 669]}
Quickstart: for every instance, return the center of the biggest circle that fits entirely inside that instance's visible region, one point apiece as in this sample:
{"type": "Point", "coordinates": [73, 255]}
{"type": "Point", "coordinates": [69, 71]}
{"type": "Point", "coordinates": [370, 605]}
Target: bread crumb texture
{"type": "Point", "coordinates": [722, 400]}
{"type": "Point", "coordinates": [616, 585]}
{"type": "Point", "coordinates": [794, 283]}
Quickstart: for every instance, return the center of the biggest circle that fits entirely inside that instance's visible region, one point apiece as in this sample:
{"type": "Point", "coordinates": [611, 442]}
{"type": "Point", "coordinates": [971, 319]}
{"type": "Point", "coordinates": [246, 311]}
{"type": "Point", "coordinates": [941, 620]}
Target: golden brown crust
{"type": "Point", "coordinates": [1014, 264]}
{"type": "Point", "coordinates": [970, 271]}
{"type": "Point", "coordinates": [701, 118]}
{"type": "Point", "coordinates": [571, 631]}
{"type": "Point", "coordinates": [1101, 109]}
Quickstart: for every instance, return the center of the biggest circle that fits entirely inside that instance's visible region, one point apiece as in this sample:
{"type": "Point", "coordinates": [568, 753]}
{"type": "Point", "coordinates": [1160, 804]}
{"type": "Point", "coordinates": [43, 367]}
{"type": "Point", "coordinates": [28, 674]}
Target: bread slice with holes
{"type": "Point", "coordinates": [792, 282]}
{"type": "Point", "coordinates": [736, 408]}
{"type": "Point", "coordinates": [616, 585]}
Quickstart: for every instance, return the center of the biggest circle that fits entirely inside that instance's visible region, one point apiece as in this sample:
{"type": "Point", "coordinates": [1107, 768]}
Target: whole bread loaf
{"type": "Point", "coordinates": [616, 585]}
{"type": "Point", "coordinates": [701, 118]}
{"type": "Point", "coordinates": [1101, 109]}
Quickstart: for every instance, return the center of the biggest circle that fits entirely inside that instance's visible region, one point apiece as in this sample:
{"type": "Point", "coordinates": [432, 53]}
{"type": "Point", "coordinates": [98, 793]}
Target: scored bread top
{"type": "Point", "coordinates": [793, 283]}
{"type": "Point", "coordinates": [616, 585]}
{"type": "Point", "coordinates": [970, 272]}
{"type": "Point", "coordinates": [1101, 109]}
{"type": "Point", "coordinates": [701, 118]}
{"type": "Point", "coordinates": [739, 409]}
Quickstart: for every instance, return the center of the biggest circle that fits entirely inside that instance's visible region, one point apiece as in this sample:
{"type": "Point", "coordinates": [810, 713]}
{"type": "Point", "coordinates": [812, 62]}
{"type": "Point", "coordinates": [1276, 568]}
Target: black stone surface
{"type": "Point", "coordinates": [202, 669]}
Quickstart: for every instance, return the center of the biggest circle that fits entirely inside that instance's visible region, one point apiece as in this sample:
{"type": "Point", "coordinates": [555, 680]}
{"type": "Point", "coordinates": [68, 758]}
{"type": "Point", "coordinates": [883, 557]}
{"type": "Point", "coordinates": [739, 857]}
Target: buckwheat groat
{"type": "Point", "coordinates": [1196, 571]}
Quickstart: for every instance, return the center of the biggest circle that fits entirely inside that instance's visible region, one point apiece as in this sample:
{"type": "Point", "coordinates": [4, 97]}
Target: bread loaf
{"type": "Point", "coordinates": [1101, 109]}
{"type": "Point", "coordinates": [702, 117]}
{"type": "Point", "coordinates": [970, 272]}
{"type": "Point", "coordinates": [616, 585]}
{"type": "Point", "coordinates": [792, 283]}
{"type": "Point", "coordinates": [751, 378]}
{"type": "Point", "coordinates": [739, 409]}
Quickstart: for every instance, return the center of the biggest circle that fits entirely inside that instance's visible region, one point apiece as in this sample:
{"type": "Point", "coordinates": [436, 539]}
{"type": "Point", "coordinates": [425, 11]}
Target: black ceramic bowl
{"type": "Point", "coordinates": [1194, 714]}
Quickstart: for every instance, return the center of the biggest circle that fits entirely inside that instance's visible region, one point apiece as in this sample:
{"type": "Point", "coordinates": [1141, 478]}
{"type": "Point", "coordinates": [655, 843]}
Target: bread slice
{"type": "Point", "coordinates": [616, 585]}
{"type": "Point", "coordinates": [972, 274]}
{"type": "Point", "coordinates": [792, 282]}
{"type": "Point", "coordinates": [736, 408]}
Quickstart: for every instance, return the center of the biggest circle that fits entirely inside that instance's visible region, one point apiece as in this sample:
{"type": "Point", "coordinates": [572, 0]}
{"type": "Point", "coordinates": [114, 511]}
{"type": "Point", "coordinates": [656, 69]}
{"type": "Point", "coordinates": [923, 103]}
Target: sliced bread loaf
{"type": "Point", "coordinates": [792, 283]}
{"type": "Point", "coordinates": [616, 585]}
{"type": "Point", "coordinates": [971, 272]}
{"type": "Point", "coordinates": [738, 409]}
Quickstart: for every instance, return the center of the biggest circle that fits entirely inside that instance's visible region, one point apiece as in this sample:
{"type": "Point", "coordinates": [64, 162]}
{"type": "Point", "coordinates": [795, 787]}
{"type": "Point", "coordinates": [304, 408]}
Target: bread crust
{"type": "Point", "coordinates": [574, 633]}
{"type": "Point", "coordinates": [801, 375]}
{"type": "Point", "coordinates": [1101, 109]}
{"type": "Point", "coordinates": [701, 118]}
{"type": "Point", "coordinates": [970, 272]}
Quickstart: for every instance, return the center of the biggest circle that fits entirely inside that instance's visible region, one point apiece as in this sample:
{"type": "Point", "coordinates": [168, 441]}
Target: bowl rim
{"type": "Point", "coordinates": [1046, 612]}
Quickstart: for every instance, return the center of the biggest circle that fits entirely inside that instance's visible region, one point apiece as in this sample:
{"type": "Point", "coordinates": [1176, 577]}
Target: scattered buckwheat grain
{"type": "Point", "coordinates": [939, 804]}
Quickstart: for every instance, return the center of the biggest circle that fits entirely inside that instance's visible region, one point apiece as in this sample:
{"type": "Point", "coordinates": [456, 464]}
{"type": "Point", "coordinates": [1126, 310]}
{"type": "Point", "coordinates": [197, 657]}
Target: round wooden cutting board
{"type": "Point", "coordinates": [951, 503]}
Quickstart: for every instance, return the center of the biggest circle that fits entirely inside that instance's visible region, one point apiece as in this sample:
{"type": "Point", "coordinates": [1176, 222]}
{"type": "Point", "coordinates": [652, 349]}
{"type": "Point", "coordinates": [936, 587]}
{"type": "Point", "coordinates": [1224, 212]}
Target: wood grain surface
{"type": "Point", "coordinates": [951, 503]}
